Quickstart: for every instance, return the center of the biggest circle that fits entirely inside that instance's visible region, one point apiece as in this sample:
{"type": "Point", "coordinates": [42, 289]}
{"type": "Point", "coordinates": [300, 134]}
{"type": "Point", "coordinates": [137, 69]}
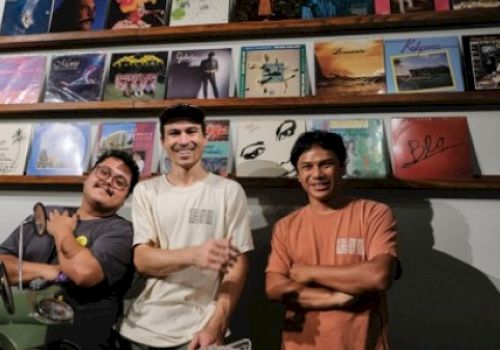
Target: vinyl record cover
{"type": "Point", "coordinates": [136, 76]}
{"type": "Point", "coordinates": [335, 8]}
{"type": "Point", "coordinates": [264, 147]}
{"type": "Point", "coordinates": [77, 77]}
{"type": "Point", "coordinates": [364, 142]}
{"type": "Point", "coordinates": [190, 12]}
{"type": "Point", "coordinates": [273, 71]}
{"type": "Point", "coordinates": [482, 61]}
{"type": "Point", "coordinates": [423, 65]}
{"type": "Point", "coordinates": [431, 148]}
{"type": "Point", "coordinates": [345, 67]}
{"type": "Point", "coordinates": [135, 138]}
{"type": "Point", "coordinates": [216, 155]}
{"type": "Point", "coordinates": [75, 15]}
{"type": "Point", "coordinates": [59, 149]}
{"type": "Point", "coordinates": [14, 142]}
{"type": "Point", "coordinates": [469, 4]}
{"type": "Point", "coordinates": [202, 73]}
{"type": "Point", "coordinates": [404, 6]}
{"type": "Point", "coordinates": [26, 17]}
{"type": "Point", "coordinates": [21, 78]}
{"type": "Point", "coordinates": [136, 14]}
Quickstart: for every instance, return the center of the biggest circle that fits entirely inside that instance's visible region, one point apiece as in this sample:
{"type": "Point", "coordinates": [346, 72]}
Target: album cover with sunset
{"type": "Point", "coordinates": [436, 148]}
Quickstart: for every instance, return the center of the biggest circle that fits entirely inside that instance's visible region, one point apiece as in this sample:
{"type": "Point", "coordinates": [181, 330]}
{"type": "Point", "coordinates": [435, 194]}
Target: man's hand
{"type": "Point", "coordinates": [205, 338]}
{"type": "Point", "coordinates": [300, 274]}
{"type": "Point", "coordinates": [49, 272]}
{"type": "Point", "coordinates": [61, 223]}
{"type": "Point", "coordinates": [216, 254]}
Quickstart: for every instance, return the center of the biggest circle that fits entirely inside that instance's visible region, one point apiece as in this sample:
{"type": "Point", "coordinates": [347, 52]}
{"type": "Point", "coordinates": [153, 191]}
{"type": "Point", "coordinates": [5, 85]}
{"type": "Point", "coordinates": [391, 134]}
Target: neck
{"type": "Point", "coordinates": [338, 201]}
{"type": "Point", "coordinates": [181, 177]}
{"type": "Point", "coordinates": [86, 212]}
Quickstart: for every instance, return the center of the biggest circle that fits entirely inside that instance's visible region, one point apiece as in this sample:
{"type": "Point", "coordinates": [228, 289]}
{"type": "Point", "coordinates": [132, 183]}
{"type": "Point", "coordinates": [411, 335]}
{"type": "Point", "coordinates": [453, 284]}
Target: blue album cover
{"type": "Point", "coordinates": [59, 149]}
{"type": "Point", "coordinates": [334, 8]}
{"type": "Point", "coordinates": [26, 17]}
{"type": "Point", "coordinates": [72, 15]}
{"type": "Point", "coordinates": [423, 65]}
{"type": "Point", "coordinates": [76, 78]}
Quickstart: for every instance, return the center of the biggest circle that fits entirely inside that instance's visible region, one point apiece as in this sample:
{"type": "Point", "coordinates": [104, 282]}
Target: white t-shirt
{"type": "Point", "coordinates": [170, 310]}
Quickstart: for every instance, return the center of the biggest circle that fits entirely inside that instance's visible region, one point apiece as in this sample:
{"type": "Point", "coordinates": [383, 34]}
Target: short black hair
{"type": "Point", "coordinates": [125, 158]}
{"type": "Point", "coordinates": [329, 141]}
{"type": "Point", "coordinates": [182, 112]}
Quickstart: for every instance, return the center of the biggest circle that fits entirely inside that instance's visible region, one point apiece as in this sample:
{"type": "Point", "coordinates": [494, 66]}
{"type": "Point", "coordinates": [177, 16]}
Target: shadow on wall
{"type": "Point", "coordinates": [440, 302]}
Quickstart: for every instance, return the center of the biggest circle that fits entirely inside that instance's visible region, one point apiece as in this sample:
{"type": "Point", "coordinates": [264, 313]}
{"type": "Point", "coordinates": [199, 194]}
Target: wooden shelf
{"type": "Point", "coordinates": [484, 183]}
{"type": "Point", "coordinates": [251, 30]}
{"type": "Point", "coordinates": [402, 102]}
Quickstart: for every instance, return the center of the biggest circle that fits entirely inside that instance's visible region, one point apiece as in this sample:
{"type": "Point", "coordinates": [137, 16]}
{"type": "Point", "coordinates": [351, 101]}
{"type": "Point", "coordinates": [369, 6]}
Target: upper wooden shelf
{"type": "Point", "coordinates": [252, 30]}
{"type": "Point", "coordinates": [484, 183]}
{"type": "Point", "coordinates": [475, 100]}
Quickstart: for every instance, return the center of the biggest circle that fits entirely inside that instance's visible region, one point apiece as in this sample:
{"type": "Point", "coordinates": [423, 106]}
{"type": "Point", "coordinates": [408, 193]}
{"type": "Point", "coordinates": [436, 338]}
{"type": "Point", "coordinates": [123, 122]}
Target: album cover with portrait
{"type": "Point", "coordinates": [216, 156]}
{"type": "Point", "coordinates": [204, 73]}
{"type": "Point", "coordinates": [364, 141]}
{"type": "Point", "coordinates": [59, 149]}
{"type": "Point", "coordinates": [264, 147]}
{"type": "Point", "coordinates": [135, 138]}
{"type": "Point", "coordinates": [76, 15]}
{"type": "Point", "coordinates": [482, 61]}
{"type": "Point", "coordinates": [431, 148]}
{"type": "Point", "coordinates": [136, 76]}
{"type": "Point", "coordinates": [191, 12]}
{"type": "Point", "coordinates": [76, 78]}
{"type": "Point", "coordinates": [21, 78]}
{"type": "Point", "coordinates": [136, 14]}
{"type": "Point", "coordinates": [273, 71]}
{"type": "Point", "coordinates": [26, 17]}
{"type": "Point", "coordinates": [423, 65]}
{"type": "Point", "coordinates": [349, 67]}
{"type": "Point", "coordinates": [14, 142]}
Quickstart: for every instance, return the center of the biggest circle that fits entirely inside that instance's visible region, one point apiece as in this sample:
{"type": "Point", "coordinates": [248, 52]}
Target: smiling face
{"type": "Point", "coordinates": [320, 174]}
{"type": "Point", "coordinates": [106, 187]}
{"type": "Point", "coordinates": [184, 143]}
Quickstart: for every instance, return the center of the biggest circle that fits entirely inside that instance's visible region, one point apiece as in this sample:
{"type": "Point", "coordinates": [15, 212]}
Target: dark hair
{"type": "Point", "coordinates": [66, 17]}
{"type": "Point", "coordinates": [182, 112]}
{"type": "Point", "coordinates": [125, 158]}
{"type": "Point", "coordinates": [329, 141]}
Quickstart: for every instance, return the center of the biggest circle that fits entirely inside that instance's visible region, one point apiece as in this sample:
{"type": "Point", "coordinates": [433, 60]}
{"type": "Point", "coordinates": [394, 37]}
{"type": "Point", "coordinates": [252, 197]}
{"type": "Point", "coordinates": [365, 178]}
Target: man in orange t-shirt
{"type": "Point", "coordinates": [332, 260]}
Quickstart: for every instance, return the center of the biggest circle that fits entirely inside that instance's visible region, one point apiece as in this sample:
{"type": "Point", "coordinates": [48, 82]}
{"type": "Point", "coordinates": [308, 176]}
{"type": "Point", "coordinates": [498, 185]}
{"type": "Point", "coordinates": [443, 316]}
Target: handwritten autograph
{"type": "Point", "coordinates": [421, 151]}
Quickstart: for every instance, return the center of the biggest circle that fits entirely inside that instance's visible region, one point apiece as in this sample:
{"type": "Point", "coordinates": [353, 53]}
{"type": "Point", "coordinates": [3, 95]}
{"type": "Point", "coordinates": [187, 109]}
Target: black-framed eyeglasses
{"type": "Point", "coordinates": [118, 182]}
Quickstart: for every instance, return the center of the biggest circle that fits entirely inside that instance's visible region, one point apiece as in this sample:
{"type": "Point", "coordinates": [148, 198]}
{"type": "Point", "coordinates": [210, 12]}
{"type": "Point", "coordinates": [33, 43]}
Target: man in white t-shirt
{"type": "Point", "coordinates": [191, 230]}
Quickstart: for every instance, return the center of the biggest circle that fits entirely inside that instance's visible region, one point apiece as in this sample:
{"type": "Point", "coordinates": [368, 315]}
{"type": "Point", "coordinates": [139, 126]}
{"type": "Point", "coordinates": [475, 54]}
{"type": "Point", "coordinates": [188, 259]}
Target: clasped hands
{"type": "Point", "coordinates": [61, 223]}
{"type": "Point", "coordinates": [216, 254]}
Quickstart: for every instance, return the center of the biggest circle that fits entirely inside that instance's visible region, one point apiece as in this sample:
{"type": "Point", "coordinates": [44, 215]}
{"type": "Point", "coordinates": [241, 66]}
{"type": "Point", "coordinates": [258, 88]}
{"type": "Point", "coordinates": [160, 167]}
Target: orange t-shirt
{"type": "Point", "coordinates": [357, 232]}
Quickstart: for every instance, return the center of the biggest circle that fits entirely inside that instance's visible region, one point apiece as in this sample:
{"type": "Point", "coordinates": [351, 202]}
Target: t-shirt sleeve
{"type": "Point", "coordinates": [142, 216]}
{"type": "Point", "coordinates": [382, 232]}
{"type": "Point", "coordinates": [113, 249]}
{"type": "Point", "coordinates": [11, 244]}
{"type": "Point", "coordinates": [279, 260]}
{"type": "Point", "coordinates": [238, 219]}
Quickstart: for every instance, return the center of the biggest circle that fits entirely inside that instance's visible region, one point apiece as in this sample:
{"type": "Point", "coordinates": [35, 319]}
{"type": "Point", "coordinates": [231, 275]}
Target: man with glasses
{"type": "Point", "coordinates": [88, 248]}
{"type": "Point", "coordinates": [191, 230]}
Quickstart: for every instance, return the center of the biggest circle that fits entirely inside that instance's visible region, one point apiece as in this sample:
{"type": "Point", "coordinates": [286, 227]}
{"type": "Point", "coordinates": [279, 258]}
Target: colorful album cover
{"type": "Point", "coordinates": [469, 4]}
{"type": "Point", "coordinates": [264, 147]}
{"type": "Point", "coordinates": [26, 17]}
{"type": "Point", "coordinates": [364, 142]}
{"type": "Point", "coordinates": [273, 71]}
{"type": "Point", "coordinates": [75, 15]}
{"type": "Point", "coordinates": [334, 8]}
{"type": "Point", "coordinates": [21, 78]}
{"type": "Point", "coordinates": [202, 73]}
{"type": "Point", "coordinates": [190, 12]}
{"type": "Point", "coordinates": [217, 153]}
{"type": "Point", "coordinates": [136, 14]}
{"type": "Point", "coordinates": [354, 66]}
{"type": "Point", "coordinates": [77, 77]}
{"type": "Point", "coordinates": [136, 76]}
{"type": "Point", "coordinates": [135, 138]}
{"type": "Point", "coordinates": [431, 148]}
{"type": "Point", "coordinates": [423, 65]}
{"type": "Point", "coordinates": [59, 149]}
{"type": "Point", "coordinates": [482, 61]}
{"type": "Point", "coordinates": [14, 142]}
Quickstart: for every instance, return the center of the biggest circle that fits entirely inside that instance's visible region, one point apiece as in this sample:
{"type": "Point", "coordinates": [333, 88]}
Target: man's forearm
{"type": "Point", "coordinates": [157, 262]}
{"type": "Point", "coordinates": [31, 270]}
